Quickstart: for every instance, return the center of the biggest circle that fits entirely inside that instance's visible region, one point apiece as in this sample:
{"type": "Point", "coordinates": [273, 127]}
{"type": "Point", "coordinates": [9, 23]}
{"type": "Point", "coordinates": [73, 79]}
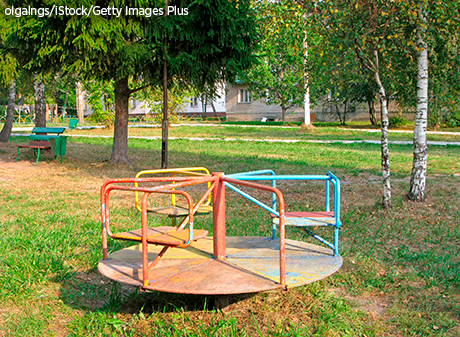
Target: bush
{"type": "Point", "coordinates": [451, 119]}
{"type": "Point", "coordinates": [397, 121]}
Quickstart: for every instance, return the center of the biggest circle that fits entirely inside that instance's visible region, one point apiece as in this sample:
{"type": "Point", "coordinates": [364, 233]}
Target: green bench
{"type": "Point", "coordinates": [44, 138]}
{"type": "Point", "coordinates": [43, 133]}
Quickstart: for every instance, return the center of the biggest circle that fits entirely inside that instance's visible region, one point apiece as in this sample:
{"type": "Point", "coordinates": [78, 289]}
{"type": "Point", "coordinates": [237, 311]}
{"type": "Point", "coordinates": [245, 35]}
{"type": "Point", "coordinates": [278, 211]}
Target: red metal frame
{"type": "Point", "coordinates": [282, 220]}
{"type": "Point", "coordinates": [219, 226]}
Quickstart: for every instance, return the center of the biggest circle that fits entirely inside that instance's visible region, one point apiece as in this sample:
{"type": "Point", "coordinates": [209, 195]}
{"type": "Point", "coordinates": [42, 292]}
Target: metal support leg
{"type": "Point", "coordinates": [38, 156]}
{"type": "Point", "coordinates": [218, 213]}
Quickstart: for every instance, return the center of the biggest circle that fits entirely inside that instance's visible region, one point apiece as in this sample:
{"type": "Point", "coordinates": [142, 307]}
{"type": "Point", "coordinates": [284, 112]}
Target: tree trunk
{"type": "Point", "coordinates": [80, 103]}
{"type": "Point", "coordinates": [372, 116]}
{"type": "Point", "coordinates": [165, 122]}
{"type": "Point", "coordinates": [213, 108]}
{"type": "Point", "coordinates": [306, 75]}
{"type": "Point", "coordinates": [40, 102]}
{"type": "Point", "coordinates": [8, 126]}
{"type": "Point", "coordinates": [120, 133]}
{"type": "Point", "coordinates": [283, 112]}
{"type": "Point", "coordinates": [64, 108]}
{"type": "Point", "coordinates": [419, 166]}
{"type": "Point", "coordinates": [386, 200]}
{"type": "Point", "coordinates": [204, 102]}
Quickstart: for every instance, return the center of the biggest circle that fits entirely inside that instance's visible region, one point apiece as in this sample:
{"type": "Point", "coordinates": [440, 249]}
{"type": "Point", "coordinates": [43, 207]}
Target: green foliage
{"type": "Point", "coordinates": [153, 98]}
{"type": "Point", "coordinates": [101, 97]}
{"type": "Point", "coordinates": [451, 119]}
{"type": "Point", "coordinates": [397, 121]}
{"type": "Point", "coordinates": [278, 77]}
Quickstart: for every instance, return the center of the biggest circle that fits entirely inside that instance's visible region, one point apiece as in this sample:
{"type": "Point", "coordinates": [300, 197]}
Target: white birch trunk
{"type": "Point", "coordinates": [386, 200]}
{"type": "Point", "coordinates": [307, 111]}
{"type": "Point", "coordinates": [419, 165]}
{"type": "Point", "coordinates": [80, 103]}
{"type": "Point", "coordinates": [40, 102]}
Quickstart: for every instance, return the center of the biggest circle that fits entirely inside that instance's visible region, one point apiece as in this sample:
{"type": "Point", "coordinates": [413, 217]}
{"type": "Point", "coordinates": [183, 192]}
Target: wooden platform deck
{"type": "Point", "coordinates": [252, 265]}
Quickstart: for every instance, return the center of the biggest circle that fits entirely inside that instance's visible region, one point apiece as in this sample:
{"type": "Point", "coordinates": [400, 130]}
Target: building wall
{"type": "Point", "coordinates": [256, 109]}
{"type": "Point", "coordinates": [198, 108]}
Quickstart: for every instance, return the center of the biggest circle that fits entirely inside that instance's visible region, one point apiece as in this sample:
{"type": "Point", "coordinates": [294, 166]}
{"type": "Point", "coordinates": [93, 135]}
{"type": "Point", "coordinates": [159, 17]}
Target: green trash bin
{"type": "Point", "coordinates": [58, 146]}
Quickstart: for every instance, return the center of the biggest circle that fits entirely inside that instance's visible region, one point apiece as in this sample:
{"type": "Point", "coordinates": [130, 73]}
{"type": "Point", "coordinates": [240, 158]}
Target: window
{"type": "Point", "coordinates": [243, 96]}
{"type": "Point", "coordinates": [194, 102]}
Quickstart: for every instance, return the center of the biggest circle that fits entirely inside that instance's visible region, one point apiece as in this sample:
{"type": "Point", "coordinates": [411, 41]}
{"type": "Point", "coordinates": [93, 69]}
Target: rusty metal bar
{"type": "Point", "coordinates": [198, 204]}
{"type": "Point", "coordinates": [145, 250]}
{"type": "Point", "coordinates": [157, 258]}
{"type": "Point", "coordinates": [188, 171]}
{"type": "Point", "coordinates": [218, 214]}
{"type": "Point", "coordinates": [281, 216]}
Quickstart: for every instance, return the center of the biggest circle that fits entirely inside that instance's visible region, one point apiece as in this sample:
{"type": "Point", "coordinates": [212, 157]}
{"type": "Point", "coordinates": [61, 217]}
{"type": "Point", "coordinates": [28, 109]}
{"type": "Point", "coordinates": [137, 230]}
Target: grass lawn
{"type": "Point", "coordinates": [401, 271]}
{"type": "Point", "coordinates": [355, 131]}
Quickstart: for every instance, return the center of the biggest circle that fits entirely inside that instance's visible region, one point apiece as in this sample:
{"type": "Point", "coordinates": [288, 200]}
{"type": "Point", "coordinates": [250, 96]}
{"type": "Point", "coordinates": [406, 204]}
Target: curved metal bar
{"type": "Point", "coordinates": [251, 198]}
{"type": "Point", "coordinates": [107, 187]}
{"type": "Point", "coordinates": [281, 215]}
{"type": "Point", "coordinates": [198, 204]}
{"type": "Point", "coordinates": [190, 171]}
{"type": "Point", "coordinates": [250, 173]}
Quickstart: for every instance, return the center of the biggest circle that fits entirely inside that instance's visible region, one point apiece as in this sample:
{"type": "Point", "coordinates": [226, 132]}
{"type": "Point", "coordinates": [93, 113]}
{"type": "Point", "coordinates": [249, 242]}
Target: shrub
{"type": "Point", "coordinates": [397, 121]}
{"type": "Point", "coordinates": [451, 119]}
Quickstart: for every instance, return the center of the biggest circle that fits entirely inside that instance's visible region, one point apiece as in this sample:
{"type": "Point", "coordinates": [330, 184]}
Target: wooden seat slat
{"type": "Point", "coordinates": [177, 211]}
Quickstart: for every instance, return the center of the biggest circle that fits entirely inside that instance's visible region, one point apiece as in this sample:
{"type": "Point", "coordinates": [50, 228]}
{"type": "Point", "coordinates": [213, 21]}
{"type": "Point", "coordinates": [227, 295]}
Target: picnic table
{"type": "Point", "coordinates": [45, 138]}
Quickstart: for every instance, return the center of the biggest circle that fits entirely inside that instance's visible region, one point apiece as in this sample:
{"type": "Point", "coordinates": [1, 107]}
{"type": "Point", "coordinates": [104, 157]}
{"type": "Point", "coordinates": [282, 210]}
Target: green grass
{"type": "Point", "coordinates": [324, 131]}
{"type": "Point", "coordinates": [401, 272]}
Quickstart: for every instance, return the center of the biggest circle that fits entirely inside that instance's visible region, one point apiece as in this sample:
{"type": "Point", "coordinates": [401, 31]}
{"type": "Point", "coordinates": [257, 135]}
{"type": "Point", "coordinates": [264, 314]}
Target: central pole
{"type": "Point", "coordinates": [164, 125]}
{"type": "Point", "coordinates": [218, 214]}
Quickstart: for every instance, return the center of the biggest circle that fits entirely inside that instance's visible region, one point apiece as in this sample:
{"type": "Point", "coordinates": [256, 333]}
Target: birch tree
{"type": "Point", "coordinates": [419, 166]}
{"type": "Point", "coordinates": [368, 28]}
{"type": "Point", "coordinates": [437, 50]}
{"type": "Point", "coordinates": [40, 102]}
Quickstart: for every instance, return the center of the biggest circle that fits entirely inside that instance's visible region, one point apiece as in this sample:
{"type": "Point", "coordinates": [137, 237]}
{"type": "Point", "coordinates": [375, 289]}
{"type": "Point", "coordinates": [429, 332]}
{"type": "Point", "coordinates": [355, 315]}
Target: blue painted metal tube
{"type": "Point", "coordinates": [319, 238]}
{"type": "Point", "coordinates": [336, 241]}
{"type": "Point", "coordinates": [251, 173]}
{"type": "Point", "coordinates": [242, 175]}
{"type": "Point", "coordinates": [282, 177]}
{"type": "Point", "coordinates": [336, 183]}
{"type": "Point", "coordinates": [328, 197]}
{"type": "Point", "coordinates": [254, 200]}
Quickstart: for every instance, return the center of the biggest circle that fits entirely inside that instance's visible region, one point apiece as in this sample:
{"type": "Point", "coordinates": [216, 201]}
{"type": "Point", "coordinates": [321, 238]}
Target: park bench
{"type": "Point", "coordinates": [45, 138]}
{"type": "Point", "coordinates": [46, 133]}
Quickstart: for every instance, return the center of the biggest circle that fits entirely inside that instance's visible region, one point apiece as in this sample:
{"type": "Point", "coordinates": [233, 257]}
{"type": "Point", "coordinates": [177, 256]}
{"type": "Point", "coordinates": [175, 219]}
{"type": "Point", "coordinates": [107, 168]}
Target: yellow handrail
{"type": "Point", "coordinates": [185, 171]}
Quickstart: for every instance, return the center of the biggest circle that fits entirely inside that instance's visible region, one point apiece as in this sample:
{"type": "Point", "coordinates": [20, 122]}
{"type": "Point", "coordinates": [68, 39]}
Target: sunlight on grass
{"type": "Point", "coordinates": [401, 272]}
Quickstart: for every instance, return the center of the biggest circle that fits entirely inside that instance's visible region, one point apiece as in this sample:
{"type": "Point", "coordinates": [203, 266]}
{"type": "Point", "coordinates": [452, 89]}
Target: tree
{"type": "Point", "coordinates": [210, 44]}
{"type": "Point", "coordinates": [369, 29]}
{"type": "Point", "coordinates": [7, 127]}
{"type": "Point", "coordinates": [8, 66]}
{"type": "Point", "coordinates": [419, 166]}
{"type": "Point", "coordinates": [40, 103]}
{"type": "Point", "coordinates": [279, 74]}
{"type": "Point", "coordinates": [436, 48]}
